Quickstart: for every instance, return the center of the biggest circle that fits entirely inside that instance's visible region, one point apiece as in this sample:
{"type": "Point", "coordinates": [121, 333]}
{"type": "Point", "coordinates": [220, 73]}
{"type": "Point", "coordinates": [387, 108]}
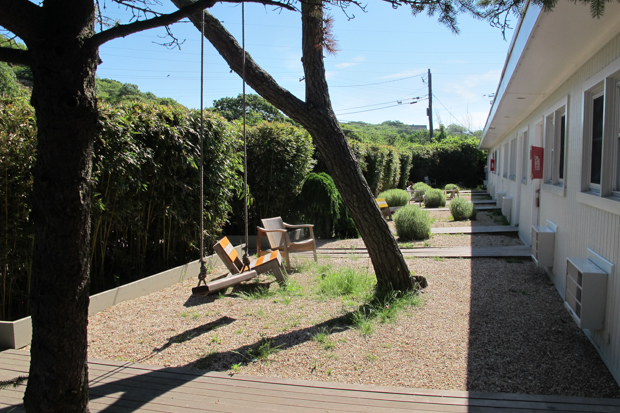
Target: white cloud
{"type": "Point", "coordinates": [354, 62]}
{"type": "Point", "coordinates": [472, 88]}
{"type": "Point", "coordinates": [405, 73]}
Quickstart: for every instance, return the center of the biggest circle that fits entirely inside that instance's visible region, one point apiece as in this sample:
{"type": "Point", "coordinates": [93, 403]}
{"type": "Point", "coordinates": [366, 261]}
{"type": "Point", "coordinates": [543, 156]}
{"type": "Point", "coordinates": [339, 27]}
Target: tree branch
{"type": "Point", "coordinates": [15, 56]}
{"type": "Point", "coordinates": [255, 76]}
{"type": "Point", "coordinates": [21, 17]}
{"type": "Point", "coordinates": [138, 26]}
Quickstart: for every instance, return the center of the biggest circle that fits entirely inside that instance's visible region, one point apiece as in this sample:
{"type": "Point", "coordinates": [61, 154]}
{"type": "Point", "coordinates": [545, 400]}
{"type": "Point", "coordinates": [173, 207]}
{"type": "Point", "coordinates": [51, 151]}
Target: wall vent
{"type": "Point", "coordinates": [507, 207]}
{"type": "Point", "coordinates": [543, 245]}
{"type": "Point", "coordinates": [499, 199]}
{"type": "Point", "coordinates": [586, 293]}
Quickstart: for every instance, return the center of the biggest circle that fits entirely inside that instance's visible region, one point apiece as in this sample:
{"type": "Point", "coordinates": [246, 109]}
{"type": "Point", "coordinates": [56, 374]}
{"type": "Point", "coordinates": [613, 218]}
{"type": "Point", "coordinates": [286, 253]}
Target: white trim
{"type": "Point", "coordinates": [559, 190]}
{"type": "Point", "coordinates": [609, 204]}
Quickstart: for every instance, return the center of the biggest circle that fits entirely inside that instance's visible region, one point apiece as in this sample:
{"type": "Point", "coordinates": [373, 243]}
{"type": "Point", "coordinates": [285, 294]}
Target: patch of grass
{"type": "Point", "coordinates": [262, 350]}
{"type": "Point", "coordinates": [240, 331]}
{"type": "Point", "coordinates": [322, 337]}
{"type": "Point", "coordinates": [329, 372]}
{"type": "Point", "coordinates": [195, 315]}
{"type": "Point", "coordinates": [183, 314]}
{"type": "Point", "coordinates": [216, 339]}
{"type": "Point", "coordinates": [502, 220]}
{"type": "Point", "coordinates": [258, 293]}
{"type": "Point", "coordinates": [347, 282]}
{"type": "Point", "coordinates": [371, 357]}
{"type": "Point", "coordinates": [260, 312]}
{"type": "Point", "coordinates": [361, 321]}
{"type": "Point", "coordinates": [441, 259]}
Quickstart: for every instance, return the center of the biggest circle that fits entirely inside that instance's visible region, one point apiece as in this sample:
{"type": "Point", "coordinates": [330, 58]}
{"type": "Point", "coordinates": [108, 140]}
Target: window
{"type": "Point", "coordinates": [600, 169]}
{"type": "Point", "coordinates": [513, 159]}
{"type": "Point", "coordinates": [555, 144]}
{"type": "Point", "coordinates": [505, 163]}
{"type": "Point", "coordinates": [526, 157]}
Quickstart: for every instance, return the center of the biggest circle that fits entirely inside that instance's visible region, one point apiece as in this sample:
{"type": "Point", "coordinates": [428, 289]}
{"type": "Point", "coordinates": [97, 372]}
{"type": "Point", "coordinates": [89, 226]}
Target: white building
{"type": "Point", "coordinates": [560, 91]}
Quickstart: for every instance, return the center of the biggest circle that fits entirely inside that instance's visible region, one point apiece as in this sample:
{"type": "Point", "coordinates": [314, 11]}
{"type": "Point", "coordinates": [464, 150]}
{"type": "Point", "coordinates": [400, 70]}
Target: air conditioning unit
{"type": "Point", "coordinates": [543, 245]}
{"type": "Point", "coordinates": [507, 206]}
{"type": "Point", "coordinates": [586, 293]}
{"type": "Point", "coordinates": [499, 199]}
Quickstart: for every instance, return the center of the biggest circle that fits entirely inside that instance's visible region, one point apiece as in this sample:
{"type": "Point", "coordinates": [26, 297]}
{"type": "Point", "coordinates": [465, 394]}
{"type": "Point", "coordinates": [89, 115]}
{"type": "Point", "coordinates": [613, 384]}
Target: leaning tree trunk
{"type": "Point", "coordinates": [317, 116]}
{"type": "Point", "coordinates": [64, 98]}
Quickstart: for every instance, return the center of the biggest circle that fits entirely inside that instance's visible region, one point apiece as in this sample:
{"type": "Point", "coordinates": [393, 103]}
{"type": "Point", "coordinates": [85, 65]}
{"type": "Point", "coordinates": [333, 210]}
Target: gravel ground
{"type": "Point", "coordinates": [484, 325]}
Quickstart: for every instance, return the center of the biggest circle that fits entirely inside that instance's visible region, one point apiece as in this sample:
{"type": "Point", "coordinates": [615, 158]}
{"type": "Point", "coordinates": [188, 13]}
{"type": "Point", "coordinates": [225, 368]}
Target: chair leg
{"type": "Point", "coordinates": [280, 273]}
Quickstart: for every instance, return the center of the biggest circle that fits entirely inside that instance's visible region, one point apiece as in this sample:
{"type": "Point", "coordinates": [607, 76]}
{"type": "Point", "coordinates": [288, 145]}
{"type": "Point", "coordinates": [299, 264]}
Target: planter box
{"type": "Point", "coordinates": [17, 334]}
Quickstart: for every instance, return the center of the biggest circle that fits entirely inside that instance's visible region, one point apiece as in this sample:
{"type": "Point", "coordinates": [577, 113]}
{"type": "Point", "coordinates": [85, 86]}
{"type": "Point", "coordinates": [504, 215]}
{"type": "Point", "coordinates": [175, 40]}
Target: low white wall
{"type": "Point", "coordinates": [17, 334]}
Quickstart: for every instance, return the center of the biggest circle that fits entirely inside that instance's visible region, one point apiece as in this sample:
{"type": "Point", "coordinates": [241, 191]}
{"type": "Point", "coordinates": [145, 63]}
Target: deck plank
{"type": "Point", "coordinates": [491, 229]}
{"type": "Point", "coordinates": [519, 251]}
{"type": "Point", "coordinates": [130, 387]}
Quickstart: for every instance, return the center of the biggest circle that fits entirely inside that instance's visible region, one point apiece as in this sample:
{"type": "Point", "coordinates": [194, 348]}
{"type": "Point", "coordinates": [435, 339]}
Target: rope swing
{"type": "Point", "coordinates": [202, 277]}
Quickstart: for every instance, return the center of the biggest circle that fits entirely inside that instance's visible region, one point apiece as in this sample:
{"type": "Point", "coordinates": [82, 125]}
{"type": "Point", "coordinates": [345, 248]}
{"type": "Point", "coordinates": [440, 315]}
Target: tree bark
{"type": "Point", "coordinates": [317, 116]}
{"type": "Point", "coordinates": [64, 99]}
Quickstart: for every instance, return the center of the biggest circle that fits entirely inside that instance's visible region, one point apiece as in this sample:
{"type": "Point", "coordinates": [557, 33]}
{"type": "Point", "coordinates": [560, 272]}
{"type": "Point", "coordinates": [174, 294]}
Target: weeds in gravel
{"type": "Point", "coordinates": [322, 337]}
{"type": "Point", "coordinates": [262, 350]}
{"type": "Point", "coordinates": [347, 282]}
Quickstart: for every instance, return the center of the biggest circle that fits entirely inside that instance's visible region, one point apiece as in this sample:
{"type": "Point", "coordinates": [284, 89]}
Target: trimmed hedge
{"type": "Point", "coordinates": [434, 198]}
{"type": "Point", "coordinates": [395, 197]}
{"type": "Point", "coordinates": [461, 209]}
{"type": "Point", "coordinates": [412, 223]}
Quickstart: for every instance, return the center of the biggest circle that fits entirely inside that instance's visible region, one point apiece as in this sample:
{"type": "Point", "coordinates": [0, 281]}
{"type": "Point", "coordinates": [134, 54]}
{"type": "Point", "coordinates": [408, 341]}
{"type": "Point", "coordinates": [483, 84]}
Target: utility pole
{"type": "Point", "coordinates": [429, 110]}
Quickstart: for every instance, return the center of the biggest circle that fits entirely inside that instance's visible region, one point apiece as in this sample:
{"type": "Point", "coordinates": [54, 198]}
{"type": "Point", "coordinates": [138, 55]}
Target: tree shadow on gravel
{"type": "Point", "coordinates": [523, 340]}
{"type": "Point", "coordinates": [195, 332]}
{"type": "Point", "coordinates": [267, 345]}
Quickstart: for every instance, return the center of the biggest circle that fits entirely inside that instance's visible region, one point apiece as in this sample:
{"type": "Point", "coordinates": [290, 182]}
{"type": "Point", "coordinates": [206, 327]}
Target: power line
{"type": "Point", "coordinates": [384, 107]}
{"type": "Point", "coordinates": [453, 117]}
{"type": "Point", "coordinates": [381, 83]}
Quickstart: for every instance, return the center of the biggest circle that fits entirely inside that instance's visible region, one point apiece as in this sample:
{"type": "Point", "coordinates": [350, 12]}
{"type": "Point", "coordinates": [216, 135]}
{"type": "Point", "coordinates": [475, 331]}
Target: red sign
{"type": "Point", "coordinates": [537, 156]}
{"type": "Point", "coordinates": [492, 165]}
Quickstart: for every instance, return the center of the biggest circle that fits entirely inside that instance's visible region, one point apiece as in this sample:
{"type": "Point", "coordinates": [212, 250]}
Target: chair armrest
{"type": "Point", "coordinates": [261, 229]}
{"type": "Point", "coordinates": [298, 226]}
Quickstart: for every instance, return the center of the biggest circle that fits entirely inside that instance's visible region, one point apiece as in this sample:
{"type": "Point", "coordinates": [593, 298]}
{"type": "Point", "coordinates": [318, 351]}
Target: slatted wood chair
{"type": "Point", "coordinates": [268, 262]}
{"type": "Point", "coordinates": [416, 196]}
{"type": "Point", "coordinates": [276, 231]}
{"type": "Point", "coordinates": [384, 207]}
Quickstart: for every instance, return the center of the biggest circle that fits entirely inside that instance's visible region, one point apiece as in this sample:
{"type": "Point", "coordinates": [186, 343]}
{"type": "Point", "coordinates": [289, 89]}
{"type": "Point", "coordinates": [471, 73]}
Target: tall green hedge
{"type": "Point", "coordinates": [17, 155]}
{"type": "Point", "coordinates": [145, 199]}
{"type": "Point", "coordinates": [279, 159]}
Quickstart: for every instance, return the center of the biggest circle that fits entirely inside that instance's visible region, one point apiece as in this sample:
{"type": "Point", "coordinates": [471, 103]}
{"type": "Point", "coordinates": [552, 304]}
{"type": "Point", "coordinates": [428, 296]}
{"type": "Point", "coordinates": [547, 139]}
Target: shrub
{"type": "Point", "coordinates": [395, 197]}
{"type": "Point", "coordinates": [320, 203]}
{"type": "Point", "coordinates": [421, 186]}
{"type": "Point", "coordinates": [434, 198]}
{"type": "Point", "coordinates": [412, 223]}
{"type": "Point", "coordinates": [449, 187]}
{"type": "Point", "coordinates": [461, 209]}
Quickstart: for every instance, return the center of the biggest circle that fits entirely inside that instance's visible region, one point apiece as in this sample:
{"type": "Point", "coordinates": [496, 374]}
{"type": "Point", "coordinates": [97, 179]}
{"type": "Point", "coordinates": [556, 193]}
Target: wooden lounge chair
{"type": "Point", "coordinates": [276, 231]}
{"type": "Point", "coordinates": [384, 207]}
{"type": "Point", "coordinates": [268, 262]}
{"type": "Point", "coordinates": [416, 196]}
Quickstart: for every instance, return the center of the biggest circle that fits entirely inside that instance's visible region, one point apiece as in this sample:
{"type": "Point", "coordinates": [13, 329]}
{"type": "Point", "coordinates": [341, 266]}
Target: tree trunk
{"type": "Point", "coordinates": [64, 99]}
{"type": "Point", "coordinates": [317, 116]}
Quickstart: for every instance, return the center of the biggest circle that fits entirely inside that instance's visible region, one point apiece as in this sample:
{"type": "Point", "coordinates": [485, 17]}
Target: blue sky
{"type": "Point", "coordinates": [383, 60]}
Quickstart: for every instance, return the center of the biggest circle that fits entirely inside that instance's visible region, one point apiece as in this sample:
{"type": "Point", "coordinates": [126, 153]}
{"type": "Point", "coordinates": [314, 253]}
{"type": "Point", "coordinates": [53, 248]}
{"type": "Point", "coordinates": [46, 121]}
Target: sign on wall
{"type": "Point", "coordinates": [492, 165]}
{"type": "Point", "coordinates": [537, 155]}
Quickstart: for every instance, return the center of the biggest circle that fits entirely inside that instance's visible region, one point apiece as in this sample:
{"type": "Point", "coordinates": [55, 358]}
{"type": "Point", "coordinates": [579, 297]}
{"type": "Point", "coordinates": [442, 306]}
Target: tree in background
{"type": "Point", "coordinates": [112, 91]}
{"type": "Point", "coordinates": [258, 109]}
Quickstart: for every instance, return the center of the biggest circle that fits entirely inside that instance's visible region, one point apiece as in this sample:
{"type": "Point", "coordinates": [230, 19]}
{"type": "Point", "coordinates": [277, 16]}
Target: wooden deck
{"type": "Point", "coordinates": [127, 387]}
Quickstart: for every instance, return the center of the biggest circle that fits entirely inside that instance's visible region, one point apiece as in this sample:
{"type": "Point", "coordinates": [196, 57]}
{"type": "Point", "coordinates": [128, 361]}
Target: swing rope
{"type": "Point", "coordinates": [202, 277]}
{"type": "Point", "coordinates": [246, 258]}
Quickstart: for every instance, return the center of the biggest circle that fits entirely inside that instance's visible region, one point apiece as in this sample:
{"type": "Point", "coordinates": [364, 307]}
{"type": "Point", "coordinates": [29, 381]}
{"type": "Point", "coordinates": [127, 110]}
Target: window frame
{"type": "Point", "coordinates": [555, 122]}
{"type": "Point", "coordinates": [605, 195]}
{"type": "Point", "coordinates": [512, 169]}
{"type": "Point", "coordinates": [525, 153]}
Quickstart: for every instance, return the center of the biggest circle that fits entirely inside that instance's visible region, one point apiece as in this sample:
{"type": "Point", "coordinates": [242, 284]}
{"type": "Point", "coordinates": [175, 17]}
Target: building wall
{"type": "Point", "coordinates": [579, 225]}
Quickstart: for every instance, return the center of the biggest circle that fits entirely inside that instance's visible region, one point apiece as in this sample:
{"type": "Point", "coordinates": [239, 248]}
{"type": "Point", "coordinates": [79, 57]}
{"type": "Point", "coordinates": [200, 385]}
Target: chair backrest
{"type": "Point", "coordinates": [229, 255]}
{"type": "Point", "coordinates": [382, 203]}
{"type": "Point", "coordinates": [276, 239]}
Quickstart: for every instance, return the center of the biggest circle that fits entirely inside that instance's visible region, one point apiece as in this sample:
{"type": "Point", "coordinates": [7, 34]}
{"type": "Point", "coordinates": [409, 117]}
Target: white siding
{"type": "Point", "coordinates": [580, 226]}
